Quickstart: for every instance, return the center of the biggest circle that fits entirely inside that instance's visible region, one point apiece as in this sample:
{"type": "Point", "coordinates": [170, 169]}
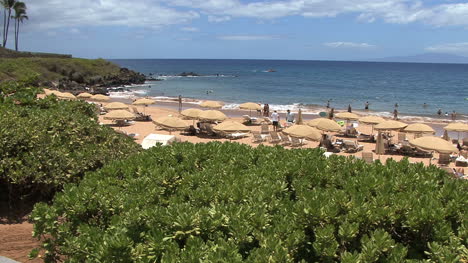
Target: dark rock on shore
{"type": "Point", "coordinates": [189, 74]}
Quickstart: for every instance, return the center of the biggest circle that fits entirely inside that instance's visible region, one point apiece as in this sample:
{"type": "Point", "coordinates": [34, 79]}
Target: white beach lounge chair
{"type": "Point", "coordinates": [153, 139]}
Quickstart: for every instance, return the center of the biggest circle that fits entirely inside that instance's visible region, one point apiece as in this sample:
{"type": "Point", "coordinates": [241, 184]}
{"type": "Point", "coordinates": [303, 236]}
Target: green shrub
{"type": "Point", "coordinates": [46, 143]}
{"type": "Point", "coordinates": [232, 203]}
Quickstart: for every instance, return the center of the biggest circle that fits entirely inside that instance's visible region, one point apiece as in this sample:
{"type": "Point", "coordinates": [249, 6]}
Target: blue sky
{"type": "Point", "coordinates": [275, 29]}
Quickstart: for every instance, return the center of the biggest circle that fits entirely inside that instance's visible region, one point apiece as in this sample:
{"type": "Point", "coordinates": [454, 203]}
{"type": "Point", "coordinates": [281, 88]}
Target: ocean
{"type": "Point", "coordinates": [419, 89]}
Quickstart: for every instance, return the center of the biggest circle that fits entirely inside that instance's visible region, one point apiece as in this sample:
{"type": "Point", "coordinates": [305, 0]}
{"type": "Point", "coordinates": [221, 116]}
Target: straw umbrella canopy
{"type": "Point", "coordinates": [116, 106]}
{"type": "Point", "coordinates": [457, 127]}
{"type": "Point", "coordinates": [347, 116]}
{"type": "Point", "coordinates": [119, 115]}
{"type": "Point", "coordinates": [66, 96]}
{"type": "Point", "coordinates": [211, 104]}
{"type": "Point", "coordinates": [303, 131]}
{"type": "Point", "coordinates": [49, 92]}
{"type": "Point", "coordinates": [84, 95]}
{"type": "Point", "coordinates": [100, 97]}
{"type": "Point", "coordinates": [325, 125]}
{"type": "Point", "coordinates": [191, 113]}
{"type": "Point", "coordinates": [371, 120]}
{"type": "Point", "coordinates": [231, 126]}
{"type": "Point", "coordinates": [212, 115]}
{"type": "Point", "coordinates": [431, 143]}
{"type": "Point", "coordinates": [144, 102]}
{"type": "Point", "coordinates": [171, 123]}
{"type": "Point", "coordinates": [250, 106]}
{"type": "Point", "coordinates": [390, 125]}
{"type": "Point", "coordinates": [419, 128]}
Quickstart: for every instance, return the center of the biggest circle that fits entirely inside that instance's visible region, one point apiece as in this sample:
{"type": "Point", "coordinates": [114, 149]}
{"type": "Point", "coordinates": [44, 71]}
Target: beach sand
{"type": "Point", "coordinates": [166, 108]}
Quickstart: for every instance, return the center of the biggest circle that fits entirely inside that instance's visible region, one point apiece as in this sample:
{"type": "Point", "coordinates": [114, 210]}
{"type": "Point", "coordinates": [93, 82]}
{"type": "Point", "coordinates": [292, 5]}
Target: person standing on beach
{"type": "Point", "coordinates": [331, 114]}
{"type": "Point", "coordinates": [349, 108]}
{"type": "Point", "coordinates": [439, 112]}
{"type": "Point", "coordinates": [289, 117]}
{"type": "Point", "coordinates": [266, 110]}
{"type": "Point", "coordinates": [275, 118]}
{"type": "Point", "coordinates": [396, 105]}
{"type": "Point", "coordinates": [180, 103]}
{"type": "Point", "coordinates": [366, 106]}
{"type": "Point", "coordinates": [454, 115]}
{"type": "Point", "coordinates": [395, 114]}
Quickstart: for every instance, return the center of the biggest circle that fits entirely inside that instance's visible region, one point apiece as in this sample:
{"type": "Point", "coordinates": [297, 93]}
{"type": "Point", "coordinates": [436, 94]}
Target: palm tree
{"type": "Point", "coordinates": [8, 5]}
{"type": "Point", "coordinates": [19, 17]}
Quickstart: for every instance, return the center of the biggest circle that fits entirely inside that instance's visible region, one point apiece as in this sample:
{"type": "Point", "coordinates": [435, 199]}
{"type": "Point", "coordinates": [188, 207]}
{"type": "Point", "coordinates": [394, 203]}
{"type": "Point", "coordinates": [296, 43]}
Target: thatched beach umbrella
{"type": "Point", "coordinates": [457, 127]}
{"type": "Point", "coordinates": [250, 106]}
{"type": "Point", "coordinates": [431, 143]}
{"type": "Point", "coordinates": [171, 123]}
{"type": "Point", "coordinates": [325, 125]}
{"type": "Point", "coordinates": [191, 113]}
{"type": "Point", "coordinates": [49, 92]}
{"type": "Point", "coordinates": [419, 128]}
{"type": "Point", "coordinates": [66, 96]}
{"type": "Point", "coordinates": [84, 95]}
{"type": "Point", "coordinates": [390, 125]}
{"type": "Point", "coordinates": [303, 131]}
{"type": "Point", "coordinates": [211, 104]}
{"type": "Point", "coordinates": [347, 116]}
{"type": "Point", "coordinates": [371, 120]}
{"type": "Point", "coordinates": [231, 126]}
{"type": "Point", "coordinates": [100, 97]}
{"type": "Point", "coordinates": [119, 115]}
{"type": "Point", "coordinates": [144, 102]}
{"type": "Point", "coordinates": [116, 106]}
{"type": "Point", "coordinates": [212, 115]}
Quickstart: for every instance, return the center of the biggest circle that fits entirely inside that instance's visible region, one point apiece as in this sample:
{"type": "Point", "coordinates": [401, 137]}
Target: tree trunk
{"type": "Point", "coordinates": [4, 25]}
{"type": "Point", "coordinates": [5, 39]}
{"type": "Point", "coordinates": [17, 35]}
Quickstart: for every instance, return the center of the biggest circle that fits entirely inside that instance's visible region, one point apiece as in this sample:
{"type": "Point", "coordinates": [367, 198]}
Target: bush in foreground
{"type": "Point", "coordinates": [231, 203]}
{"type": "Point", "coordinates": [46, 143]}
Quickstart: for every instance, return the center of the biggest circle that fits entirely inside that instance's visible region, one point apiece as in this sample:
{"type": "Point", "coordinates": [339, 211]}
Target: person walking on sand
{"type": "Point", "coordinates": [454, 115]}
{"type": "Point", "coordinates": [349, 108]}
{"type": "Point", "coordinates": [395, 114]}
{"type": "Point", "coordinates": [275, 118]}
{"type": "Point", "coordinates": [331, 114]}
{"type": "Point", "coordinates": [290, 117]}
{"type": "Point", "coordinates": [366, 106]}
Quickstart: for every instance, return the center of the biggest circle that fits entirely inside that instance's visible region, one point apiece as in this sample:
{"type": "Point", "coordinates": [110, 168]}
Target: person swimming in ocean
{"type": "Point", "coordinates": [366, 106]}
{"type": "Point", "coordinates": [439, 112]}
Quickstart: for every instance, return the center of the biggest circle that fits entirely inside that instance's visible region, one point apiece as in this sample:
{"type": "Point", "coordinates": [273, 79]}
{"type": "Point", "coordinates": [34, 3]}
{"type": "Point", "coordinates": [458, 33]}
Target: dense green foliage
{"type": "Point", "coordinates": [45, 143]}
{"type": "Point", "coordinates": [232, 203]}
{"type": "Point", "coordinates": [51, 69]}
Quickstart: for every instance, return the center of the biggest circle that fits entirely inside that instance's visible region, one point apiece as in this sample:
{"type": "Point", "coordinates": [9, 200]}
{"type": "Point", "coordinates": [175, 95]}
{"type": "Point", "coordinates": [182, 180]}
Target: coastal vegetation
{"type": "Point", "coordinates": [46, 143]}
{"type": "Point", "coordinates": [228, 202]}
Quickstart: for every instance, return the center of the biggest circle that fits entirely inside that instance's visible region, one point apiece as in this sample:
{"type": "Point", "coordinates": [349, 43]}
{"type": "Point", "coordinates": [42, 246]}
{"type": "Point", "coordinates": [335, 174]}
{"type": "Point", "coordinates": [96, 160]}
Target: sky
{"type": "Point", "coordinates": [246, 29]}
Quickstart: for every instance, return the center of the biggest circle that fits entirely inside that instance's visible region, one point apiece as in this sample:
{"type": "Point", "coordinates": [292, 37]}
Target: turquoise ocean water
{"type": "Point", "coordinates": [420, 89]}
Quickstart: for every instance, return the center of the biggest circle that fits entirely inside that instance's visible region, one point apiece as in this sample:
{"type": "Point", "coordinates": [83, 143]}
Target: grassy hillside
{"type": "Point", "coordinates": [51, 69]}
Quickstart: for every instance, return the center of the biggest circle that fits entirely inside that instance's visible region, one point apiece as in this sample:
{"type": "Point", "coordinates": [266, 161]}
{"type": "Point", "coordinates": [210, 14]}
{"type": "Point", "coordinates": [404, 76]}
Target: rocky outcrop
{"type": "Point", "coordinates": [188, 74]}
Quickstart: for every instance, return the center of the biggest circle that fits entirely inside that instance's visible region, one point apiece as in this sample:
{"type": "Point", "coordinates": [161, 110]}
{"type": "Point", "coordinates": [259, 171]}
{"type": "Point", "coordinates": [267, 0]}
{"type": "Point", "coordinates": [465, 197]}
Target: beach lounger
{"type": "Point", "coordinates": [267, 120]}
{"type": "Point", "coordinates": [274, 138]}
{"type": "Point", "coordinates": [139, 115]}
{"type": "Point", "coordinates": [421, 153]}
{"type": "Point", "coordinates": [250, 120]}
{"type": "Point", "coordinates": [351, 132]}
{"type": "Point", "coordinates": [131, 135]}
{"type": "Point", "coordinates": [236, 135]}
{"type": "Point", "coordinates": [461, 161]}
{"type": "Point", "coordinates": [153, 139]}
{"type": "Point", "coordinates": [296, 142]}
{"type": "Point", "coordinates": [257, 137]}
{"type": "Point", "coordinates": [365, 138]}
{"type": "Point", "coordinates": [264, 129]}
{"type": "Point", "coordinates": [351, 146]}
{"type": "Point", "coordinates": [368, 157]}
{"type": "Point", "coordinates": [285, 139]}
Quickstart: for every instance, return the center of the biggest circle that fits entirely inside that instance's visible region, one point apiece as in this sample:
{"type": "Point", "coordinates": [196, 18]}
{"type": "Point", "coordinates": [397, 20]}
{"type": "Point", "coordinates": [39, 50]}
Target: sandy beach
{"type": "Point", "coordinates": [170, 108]}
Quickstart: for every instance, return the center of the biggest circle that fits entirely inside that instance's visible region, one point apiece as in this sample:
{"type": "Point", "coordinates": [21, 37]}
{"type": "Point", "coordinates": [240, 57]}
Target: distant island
{"type": "Point", "coordinates": [425, 58]}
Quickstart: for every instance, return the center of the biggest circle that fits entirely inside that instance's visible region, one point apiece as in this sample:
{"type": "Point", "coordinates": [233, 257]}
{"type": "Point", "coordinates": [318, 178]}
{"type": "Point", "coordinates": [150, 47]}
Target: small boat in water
{"type": "Point", "coordinates": [271, 70]}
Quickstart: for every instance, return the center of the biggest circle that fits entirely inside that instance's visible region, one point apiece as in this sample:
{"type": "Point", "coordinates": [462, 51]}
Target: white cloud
{"type": "Point", "coordinates": [218, 19]}
{"type": "Point", "coordinates": [48, 14]}
{"type": "Point", "coordinates": [190, 29]}
{"type": "Point", "coordinates": [247, 37]}
{"type": "Point", "coordinates": [348, 45]}
{"type": "Point", "coordinates": [453, 48]}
